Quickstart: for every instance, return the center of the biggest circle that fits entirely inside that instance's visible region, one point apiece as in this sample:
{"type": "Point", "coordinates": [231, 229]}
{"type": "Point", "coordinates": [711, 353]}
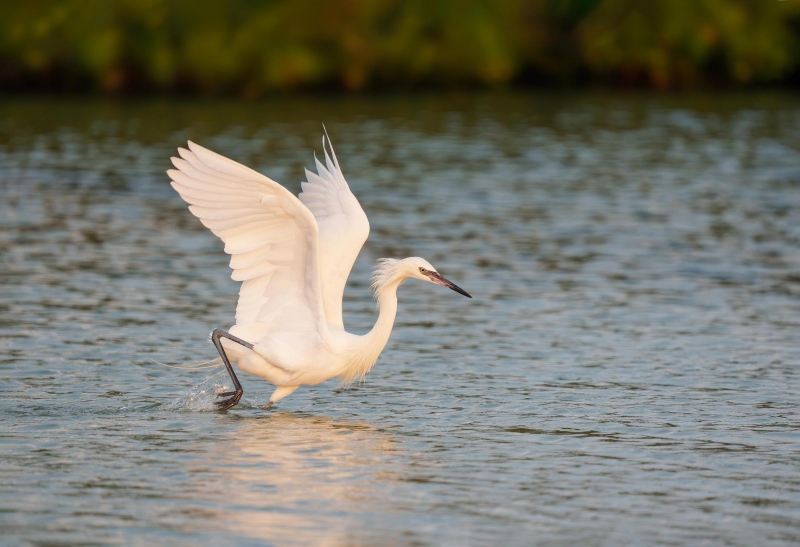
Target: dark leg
{"type": "Point", "coordinates": [225, 404]}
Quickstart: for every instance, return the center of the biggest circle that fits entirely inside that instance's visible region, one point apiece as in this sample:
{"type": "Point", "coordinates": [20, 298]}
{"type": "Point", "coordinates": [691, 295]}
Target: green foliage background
{"type": "Point", "coordinates": [249, 47]}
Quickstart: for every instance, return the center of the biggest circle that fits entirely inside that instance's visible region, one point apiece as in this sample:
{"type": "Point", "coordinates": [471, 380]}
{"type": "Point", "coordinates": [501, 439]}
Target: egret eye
{"type": "Point", "coordinates": [422, 270]}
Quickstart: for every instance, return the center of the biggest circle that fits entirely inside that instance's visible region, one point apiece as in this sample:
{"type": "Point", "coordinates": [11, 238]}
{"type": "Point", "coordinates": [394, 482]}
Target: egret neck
{"type": "Point", "coordinates": [387, 311]}
{"type": "Point", "coordinates": [370, 345]}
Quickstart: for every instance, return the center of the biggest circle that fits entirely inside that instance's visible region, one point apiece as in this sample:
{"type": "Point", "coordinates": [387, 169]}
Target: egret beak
{"type": "Point", "coordinates": [435, 277]}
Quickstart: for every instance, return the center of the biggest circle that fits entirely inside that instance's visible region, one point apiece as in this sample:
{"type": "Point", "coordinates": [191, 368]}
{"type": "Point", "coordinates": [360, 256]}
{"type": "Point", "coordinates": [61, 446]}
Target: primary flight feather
{"type": "Point", "coordinates": [293, 257]}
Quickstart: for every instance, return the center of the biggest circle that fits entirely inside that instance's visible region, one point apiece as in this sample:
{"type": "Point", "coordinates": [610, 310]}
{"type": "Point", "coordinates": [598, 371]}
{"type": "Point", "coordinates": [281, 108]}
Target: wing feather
{"type": "Point", "coordinates": [181, 183]}
{"type": "Point", "coordinates": [273, 239]}
{"type": "Point", "coordinates": [230, 218]}
{"type": "Point", "coordinates": [343, 228]}
{"type": "Point", "coordinates": [188, 170]}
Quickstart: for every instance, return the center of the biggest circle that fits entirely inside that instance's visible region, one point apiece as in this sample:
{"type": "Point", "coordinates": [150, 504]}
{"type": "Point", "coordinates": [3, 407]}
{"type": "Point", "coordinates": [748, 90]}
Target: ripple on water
{"type": "Point", "coordinates": [627, 372]}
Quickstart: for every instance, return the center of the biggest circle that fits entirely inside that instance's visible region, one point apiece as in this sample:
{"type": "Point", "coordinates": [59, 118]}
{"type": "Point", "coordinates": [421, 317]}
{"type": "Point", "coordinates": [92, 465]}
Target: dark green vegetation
{"type": "Point", "coordinates": [249, 48]}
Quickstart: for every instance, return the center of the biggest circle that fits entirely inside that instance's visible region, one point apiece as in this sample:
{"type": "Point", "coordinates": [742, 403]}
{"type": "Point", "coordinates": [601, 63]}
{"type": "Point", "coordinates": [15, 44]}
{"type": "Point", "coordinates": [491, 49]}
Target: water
{"type": "Point", "coordinates": [626, 374]}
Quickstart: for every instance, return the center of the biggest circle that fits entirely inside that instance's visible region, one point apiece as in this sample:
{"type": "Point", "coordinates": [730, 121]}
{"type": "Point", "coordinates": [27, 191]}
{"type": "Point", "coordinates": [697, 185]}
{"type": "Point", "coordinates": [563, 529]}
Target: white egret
{"type": "Point", "coordinates": [293, 257]}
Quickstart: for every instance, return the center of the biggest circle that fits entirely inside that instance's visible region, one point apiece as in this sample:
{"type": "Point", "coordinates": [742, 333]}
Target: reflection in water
{"type": "Point", "coordinates": [297, 478]}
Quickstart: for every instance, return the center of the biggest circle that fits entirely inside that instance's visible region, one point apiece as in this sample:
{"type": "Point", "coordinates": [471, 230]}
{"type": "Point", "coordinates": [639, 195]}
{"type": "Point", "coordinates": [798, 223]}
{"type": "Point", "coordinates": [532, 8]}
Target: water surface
{"type": "Point", "coordinates": [626, 374]}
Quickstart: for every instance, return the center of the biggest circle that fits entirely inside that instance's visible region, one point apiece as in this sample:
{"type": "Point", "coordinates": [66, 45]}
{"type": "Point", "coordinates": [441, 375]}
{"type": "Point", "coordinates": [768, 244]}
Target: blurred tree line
{"type": "Point", "coordinates": [251, 47]}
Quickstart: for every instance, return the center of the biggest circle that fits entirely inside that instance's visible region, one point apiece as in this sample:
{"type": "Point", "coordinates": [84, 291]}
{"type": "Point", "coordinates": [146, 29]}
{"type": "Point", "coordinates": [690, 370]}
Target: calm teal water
{"type": "Point", "coordinates": [628, 372]}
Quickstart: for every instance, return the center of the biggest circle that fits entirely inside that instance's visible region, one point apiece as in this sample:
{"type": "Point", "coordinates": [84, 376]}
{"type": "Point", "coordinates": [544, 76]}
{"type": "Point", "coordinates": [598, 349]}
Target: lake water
{"type": "Point", "coordinates": [627, 373]}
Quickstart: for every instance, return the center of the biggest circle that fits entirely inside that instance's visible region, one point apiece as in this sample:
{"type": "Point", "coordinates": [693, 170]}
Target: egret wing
{"type": "Point", "coordinates": [343, 229]}
{"type": "Point", "coordinates": [271, 236]}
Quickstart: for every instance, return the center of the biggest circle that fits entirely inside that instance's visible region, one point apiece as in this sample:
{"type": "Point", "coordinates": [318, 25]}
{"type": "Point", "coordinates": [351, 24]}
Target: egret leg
{"type": "Point", "coordinates": [279, 394]}
{"type": "Point", "coordinates": [233, 396]}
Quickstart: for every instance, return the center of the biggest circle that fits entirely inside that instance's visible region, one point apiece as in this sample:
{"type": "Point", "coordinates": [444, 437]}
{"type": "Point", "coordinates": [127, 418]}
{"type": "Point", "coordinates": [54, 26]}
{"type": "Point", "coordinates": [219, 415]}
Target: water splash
{"type": "Point", "coordinates": [201, 397]}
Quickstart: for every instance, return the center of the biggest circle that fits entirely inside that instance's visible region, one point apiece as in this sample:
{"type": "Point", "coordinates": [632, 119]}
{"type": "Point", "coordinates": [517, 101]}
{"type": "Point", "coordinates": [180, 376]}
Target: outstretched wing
{"type": "Point", "coordinates": [271, 236]}
{"type": "Point", "coordinates": [343, 229]}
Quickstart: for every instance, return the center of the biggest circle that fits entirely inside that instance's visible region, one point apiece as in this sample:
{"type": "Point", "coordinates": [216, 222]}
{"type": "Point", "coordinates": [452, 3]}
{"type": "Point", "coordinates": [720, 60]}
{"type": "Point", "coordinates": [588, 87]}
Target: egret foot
{"type": "Point", "coordinates": [268, 405]}
{"type": "Point", "coordinates": [233, 400]}
{"type": "Point", "coordinates": [225, 404]}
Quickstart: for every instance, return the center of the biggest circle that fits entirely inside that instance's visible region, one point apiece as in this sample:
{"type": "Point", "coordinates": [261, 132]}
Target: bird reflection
{"type": "Point", "coordinates": [288, 477]}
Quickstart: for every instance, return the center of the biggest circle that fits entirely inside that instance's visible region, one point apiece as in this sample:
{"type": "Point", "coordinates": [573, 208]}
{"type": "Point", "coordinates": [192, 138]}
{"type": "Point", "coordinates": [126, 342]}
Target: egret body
{"type": "Point", "coordinates": [293, 256]}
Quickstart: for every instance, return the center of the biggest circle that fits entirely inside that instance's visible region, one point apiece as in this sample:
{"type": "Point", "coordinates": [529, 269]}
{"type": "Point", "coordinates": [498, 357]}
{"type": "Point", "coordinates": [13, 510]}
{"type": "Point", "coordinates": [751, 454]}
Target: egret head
{"type": "Point", "coordinates": [413, 266]}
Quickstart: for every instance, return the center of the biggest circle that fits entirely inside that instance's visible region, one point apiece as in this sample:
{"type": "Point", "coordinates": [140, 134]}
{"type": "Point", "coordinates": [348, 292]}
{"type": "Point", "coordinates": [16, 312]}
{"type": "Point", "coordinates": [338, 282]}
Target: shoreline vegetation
{"type": "Point", "coordinates": [250, 49]}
